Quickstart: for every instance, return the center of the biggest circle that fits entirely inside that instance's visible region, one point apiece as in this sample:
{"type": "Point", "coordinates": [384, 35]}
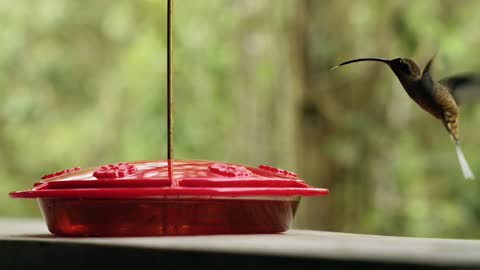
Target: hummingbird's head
{"type": "Point", "coordinates": [405, 69]}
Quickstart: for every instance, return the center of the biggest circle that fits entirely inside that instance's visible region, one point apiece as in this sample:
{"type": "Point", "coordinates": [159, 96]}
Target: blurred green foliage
{"type": "Point", "coordinates": [82, 83]}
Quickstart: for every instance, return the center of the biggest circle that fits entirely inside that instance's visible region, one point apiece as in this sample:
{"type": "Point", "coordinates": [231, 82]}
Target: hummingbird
{"type": "Point", "coordinates": [439, 98]}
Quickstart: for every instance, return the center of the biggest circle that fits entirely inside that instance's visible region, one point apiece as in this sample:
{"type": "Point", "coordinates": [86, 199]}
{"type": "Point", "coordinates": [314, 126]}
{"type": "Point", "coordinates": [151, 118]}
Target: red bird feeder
{"type": "Point", "coordinates": [143, 199]}
{"type": "Point", "coordinates": [169, 197]}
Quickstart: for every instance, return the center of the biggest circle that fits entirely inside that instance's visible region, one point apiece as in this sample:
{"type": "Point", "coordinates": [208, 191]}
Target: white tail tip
{"type": "Point", "coordinates": [467, 172]}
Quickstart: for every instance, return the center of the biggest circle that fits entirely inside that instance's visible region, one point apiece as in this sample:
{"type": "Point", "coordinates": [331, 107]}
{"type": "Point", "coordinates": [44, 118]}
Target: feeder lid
{"type": "Point", "coordinates": [155, 179]}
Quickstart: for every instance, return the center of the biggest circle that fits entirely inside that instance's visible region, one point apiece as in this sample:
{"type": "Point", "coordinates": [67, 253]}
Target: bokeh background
{"type": "Point", "coordinates": [82, 83]}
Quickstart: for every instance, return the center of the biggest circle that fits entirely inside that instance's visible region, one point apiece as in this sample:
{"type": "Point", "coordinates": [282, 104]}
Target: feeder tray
{"type": "Point", "coordinates": [183, 197]}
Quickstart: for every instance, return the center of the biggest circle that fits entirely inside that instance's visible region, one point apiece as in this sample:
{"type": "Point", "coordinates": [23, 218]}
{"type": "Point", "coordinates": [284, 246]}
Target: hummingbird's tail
{"type": "Point", "coordinates": [467, 172]}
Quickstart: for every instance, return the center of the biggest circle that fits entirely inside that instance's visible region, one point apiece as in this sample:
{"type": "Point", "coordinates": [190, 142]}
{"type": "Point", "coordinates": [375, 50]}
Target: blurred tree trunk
{"type": "Point", "coordinates": [341, 144]}
{"type": "Point", "coordinates": [314, 128]}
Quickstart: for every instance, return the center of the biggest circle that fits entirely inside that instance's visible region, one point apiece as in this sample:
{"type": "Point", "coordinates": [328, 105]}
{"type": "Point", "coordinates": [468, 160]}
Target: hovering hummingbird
{"type": "Point", "coordinates": [440, 98]}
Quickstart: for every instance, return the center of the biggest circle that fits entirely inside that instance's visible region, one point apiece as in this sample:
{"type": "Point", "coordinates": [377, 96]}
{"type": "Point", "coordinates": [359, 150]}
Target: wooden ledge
{"type": "Point", "coordinates": [26, 244]}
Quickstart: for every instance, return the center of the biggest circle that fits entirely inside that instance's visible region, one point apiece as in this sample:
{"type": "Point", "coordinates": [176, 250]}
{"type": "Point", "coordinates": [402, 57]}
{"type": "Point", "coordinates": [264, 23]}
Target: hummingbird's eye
{"type": "Point", "coordinates": [403, 66]}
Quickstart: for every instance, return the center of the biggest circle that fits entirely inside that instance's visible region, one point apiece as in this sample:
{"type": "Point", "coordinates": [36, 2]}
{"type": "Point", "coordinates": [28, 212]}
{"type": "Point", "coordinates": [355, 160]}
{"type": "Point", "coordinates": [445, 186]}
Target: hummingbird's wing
{"type": "Point", "coordinates": [464, 88]}
{"type": "Point", "coordinates": [428, 66]}
{"type": "Point", "coordinates": [426, 80]}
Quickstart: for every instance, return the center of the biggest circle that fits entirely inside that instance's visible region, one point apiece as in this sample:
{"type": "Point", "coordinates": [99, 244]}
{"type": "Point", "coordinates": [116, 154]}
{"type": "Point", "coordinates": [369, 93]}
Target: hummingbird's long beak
{"type": "Point", "coordinates": [386, 61]}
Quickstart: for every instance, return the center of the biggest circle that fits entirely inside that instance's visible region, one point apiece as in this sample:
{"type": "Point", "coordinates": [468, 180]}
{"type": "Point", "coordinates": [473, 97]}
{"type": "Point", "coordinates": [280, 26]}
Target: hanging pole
{"type": "Point", "coordinates": [169, 82]}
